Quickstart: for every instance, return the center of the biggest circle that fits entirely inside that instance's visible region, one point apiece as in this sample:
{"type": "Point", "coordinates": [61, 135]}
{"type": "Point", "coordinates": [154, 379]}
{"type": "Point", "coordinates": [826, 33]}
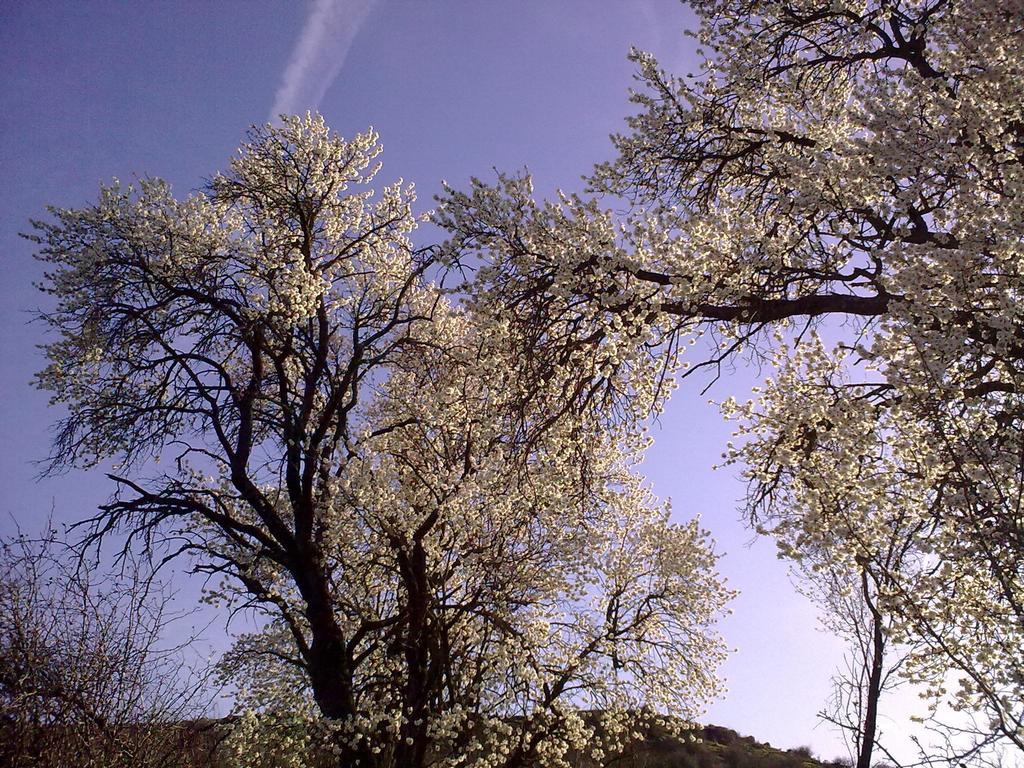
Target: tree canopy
{"type": "Point", "coordinates": [428, 485]}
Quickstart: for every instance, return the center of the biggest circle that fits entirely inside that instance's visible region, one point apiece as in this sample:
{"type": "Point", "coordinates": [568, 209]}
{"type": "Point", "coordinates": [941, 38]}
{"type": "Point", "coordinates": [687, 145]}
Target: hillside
{"type": "Point", "coordinates": [718, 747]}
{"type": "Point", "coordinates": [195, 745]}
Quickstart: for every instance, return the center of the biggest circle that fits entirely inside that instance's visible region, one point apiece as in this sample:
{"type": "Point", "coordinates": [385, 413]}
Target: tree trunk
{"type": "Point", "coordinates": [869, 727]}
{"type": "Point", "coordinates": [411, 749]}
{"type": "Point", "coordinates": [331, 678]}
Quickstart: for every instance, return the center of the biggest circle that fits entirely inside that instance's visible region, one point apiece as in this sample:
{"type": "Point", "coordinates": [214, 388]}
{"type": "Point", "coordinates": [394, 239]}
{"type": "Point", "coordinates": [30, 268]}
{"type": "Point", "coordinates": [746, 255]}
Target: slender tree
{"type": "Point", "coordinates": [849, 563]}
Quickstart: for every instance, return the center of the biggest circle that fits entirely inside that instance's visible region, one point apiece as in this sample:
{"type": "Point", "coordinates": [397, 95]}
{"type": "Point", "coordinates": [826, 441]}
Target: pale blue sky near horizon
{"type": "Point", "coordinates": [95, 90]}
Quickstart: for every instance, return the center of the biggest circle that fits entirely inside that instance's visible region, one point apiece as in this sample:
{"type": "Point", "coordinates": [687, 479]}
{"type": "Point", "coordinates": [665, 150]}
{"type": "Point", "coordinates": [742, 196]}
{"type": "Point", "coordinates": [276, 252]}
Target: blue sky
{"type": "Point", "coordinates": [455, 88]}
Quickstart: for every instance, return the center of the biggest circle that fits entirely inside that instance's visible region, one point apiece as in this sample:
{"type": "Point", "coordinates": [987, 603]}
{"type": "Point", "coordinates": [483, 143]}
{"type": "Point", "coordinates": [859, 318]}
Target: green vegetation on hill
{"type": "Point", "coordinates": [717, 747]}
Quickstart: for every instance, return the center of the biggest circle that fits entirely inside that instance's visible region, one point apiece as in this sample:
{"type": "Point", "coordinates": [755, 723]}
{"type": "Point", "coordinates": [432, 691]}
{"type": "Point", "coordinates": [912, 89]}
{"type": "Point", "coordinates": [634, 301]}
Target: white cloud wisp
{"type": "Point", "coordinates": [319, 54]}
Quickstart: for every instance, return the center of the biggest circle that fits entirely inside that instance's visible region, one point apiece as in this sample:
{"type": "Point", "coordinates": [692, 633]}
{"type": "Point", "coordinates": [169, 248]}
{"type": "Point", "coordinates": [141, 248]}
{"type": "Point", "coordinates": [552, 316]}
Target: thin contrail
{"type": "Point", "coordinates": [319, 54]}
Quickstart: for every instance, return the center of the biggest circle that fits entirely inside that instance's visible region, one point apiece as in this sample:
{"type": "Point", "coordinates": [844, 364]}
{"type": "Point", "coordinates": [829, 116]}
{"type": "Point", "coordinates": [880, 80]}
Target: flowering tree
{"type": "Point", "coordinates": [451, 553]}
{"type": "Point", "coordinates": [860, 160]}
